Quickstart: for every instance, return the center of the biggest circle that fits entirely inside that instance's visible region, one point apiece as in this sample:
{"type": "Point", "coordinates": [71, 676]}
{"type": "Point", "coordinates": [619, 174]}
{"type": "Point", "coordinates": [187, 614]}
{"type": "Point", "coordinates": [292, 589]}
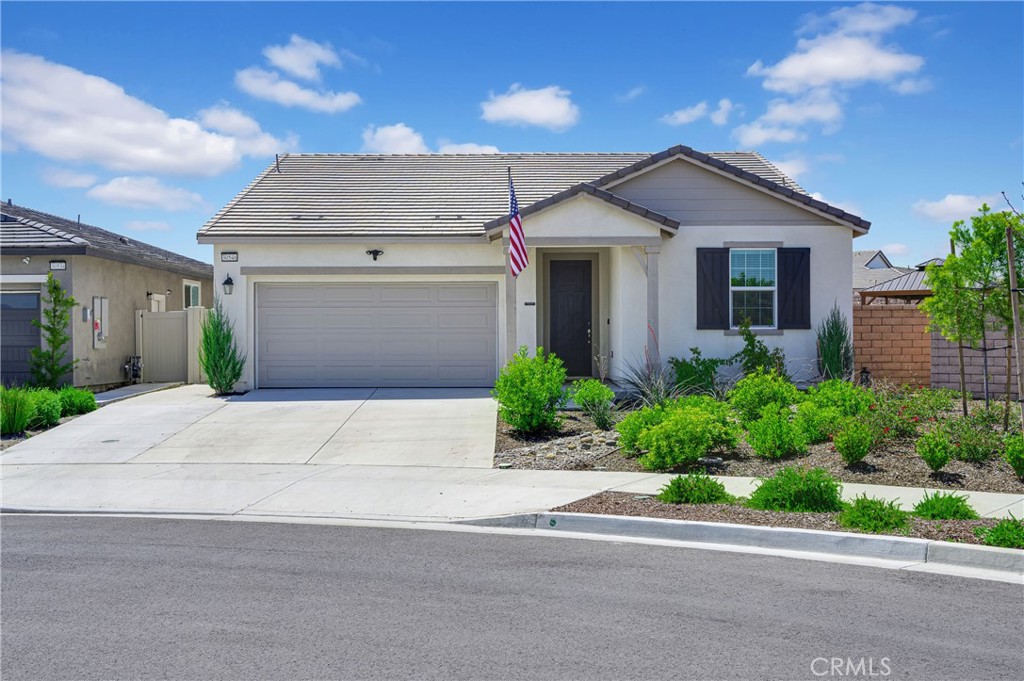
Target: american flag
{"type": "Point", "coordinates": [517, 257]}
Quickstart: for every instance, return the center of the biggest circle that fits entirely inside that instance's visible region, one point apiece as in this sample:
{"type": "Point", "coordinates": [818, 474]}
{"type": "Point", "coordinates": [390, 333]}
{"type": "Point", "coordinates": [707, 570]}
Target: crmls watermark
{"type": "Point", "coordinates": [848, 666]}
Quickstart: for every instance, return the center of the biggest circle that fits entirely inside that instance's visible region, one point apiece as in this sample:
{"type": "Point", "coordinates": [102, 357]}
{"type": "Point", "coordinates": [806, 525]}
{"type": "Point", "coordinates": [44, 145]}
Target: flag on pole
{"type": "Point", "coordinates": [517, 258]}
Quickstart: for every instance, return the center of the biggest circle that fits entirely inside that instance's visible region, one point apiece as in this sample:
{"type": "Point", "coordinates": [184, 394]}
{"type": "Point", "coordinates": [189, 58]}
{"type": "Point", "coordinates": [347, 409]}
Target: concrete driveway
{"type": "Point", "coordinates": [392, 426]}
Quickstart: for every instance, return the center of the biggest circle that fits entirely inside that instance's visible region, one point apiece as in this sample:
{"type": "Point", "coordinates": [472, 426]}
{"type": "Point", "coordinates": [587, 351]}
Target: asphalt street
{"type": "Point", "coordinates": [129, 598]}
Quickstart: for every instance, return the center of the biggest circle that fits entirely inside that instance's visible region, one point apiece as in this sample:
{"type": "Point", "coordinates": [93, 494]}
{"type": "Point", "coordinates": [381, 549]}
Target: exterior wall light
{"type": "Point", "coordinates": [229, 285]}
{"type": "Point", "coordinates": [375, 253]}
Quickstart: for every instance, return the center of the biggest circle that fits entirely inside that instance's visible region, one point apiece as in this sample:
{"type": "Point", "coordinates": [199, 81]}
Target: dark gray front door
{"type": "Point", "coordinates": [570, 320]}
{"type": "Point", "coordinates": [17, 335]}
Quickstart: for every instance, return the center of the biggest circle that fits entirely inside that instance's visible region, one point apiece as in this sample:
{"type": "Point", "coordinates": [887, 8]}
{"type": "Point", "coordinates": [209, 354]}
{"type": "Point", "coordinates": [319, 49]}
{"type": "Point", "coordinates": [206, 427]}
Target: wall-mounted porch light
{"type": "Point", "coordinates": [229, 285]}
{"type": "Point", "coordinates": [375, 253]}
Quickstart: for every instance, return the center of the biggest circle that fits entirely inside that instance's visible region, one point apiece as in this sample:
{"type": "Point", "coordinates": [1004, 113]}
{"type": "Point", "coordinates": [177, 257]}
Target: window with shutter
{"type": "Point", "coordinates": [712, 288]}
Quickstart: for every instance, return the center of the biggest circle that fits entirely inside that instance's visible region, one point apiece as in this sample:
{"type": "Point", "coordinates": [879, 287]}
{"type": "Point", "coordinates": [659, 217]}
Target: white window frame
{"type": "Point", "coordinates": [774, 289]}
{"type": "Point", "coordinates": [185, 283]}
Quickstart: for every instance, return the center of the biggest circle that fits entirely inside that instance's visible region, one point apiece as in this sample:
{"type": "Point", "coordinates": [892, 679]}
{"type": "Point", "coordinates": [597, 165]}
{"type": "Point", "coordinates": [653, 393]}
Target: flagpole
{"type": "Point", "coordinates": [510, 285]}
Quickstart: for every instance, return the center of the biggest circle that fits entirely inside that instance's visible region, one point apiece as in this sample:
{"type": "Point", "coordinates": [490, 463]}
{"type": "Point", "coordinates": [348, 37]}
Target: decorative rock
{"type": "Point", "coordinates": [571, 445]}
{"type": "Point", "coordinates": [600, 468]}
{"type": "Point", "coordinates": [586, 445]}
{"type": "Point", "coordinates": [505, 466]}
{"type": "Point", "coordinates": [642, 497]}
{"type": "Point", "coordinates": [549, 456]}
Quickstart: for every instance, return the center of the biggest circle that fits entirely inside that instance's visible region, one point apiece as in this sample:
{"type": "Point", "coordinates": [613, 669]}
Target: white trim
{"type": "Point", "coordinates": [22, 278]}
{"type": "Point", "coordinates": [774, 289]}
{"type": "Point", "coordinates": [185, 283]}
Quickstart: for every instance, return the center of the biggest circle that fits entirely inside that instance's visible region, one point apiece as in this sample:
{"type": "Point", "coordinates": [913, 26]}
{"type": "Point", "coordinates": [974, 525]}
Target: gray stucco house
{"type": "Point", "coordinates": [110, 275]}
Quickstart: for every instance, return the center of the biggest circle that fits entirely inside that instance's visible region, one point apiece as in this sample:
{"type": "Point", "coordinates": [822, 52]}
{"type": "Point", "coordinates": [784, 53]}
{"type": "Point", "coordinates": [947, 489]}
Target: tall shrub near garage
{"type": "Point", "coordinates": [219, 357]}
{"type": "Point", "coordinates": [529, 391]}
{"type": "Point", "coordinates": [49, 364]}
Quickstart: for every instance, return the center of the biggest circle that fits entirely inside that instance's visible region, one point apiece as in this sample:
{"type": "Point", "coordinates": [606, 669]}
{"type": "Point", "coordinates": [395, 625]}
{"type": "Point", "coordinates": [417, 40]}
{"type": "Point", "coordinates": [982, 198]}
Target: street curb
{"type": "Point", "coordinates": [777, 538]}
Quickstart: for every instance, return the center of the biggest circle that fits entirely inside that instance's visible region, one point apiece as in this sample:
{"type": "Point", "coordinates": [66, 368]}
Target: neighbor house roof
{"type": "Point", "coordinates": [451, 195]}
{"type": "Point", "coordinates": [873, 267]}
{"type": "Point", "coordinates": [26, 231]}
{"type": "Point", "coordinates": [908, 286]}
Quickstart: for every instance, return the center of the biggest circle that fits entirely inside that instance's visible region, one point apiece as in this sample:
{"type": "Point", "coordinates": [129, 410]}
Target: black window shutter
{"type": "Point", "coordinates": [712, 288]}
{"type": "Point", "coordinates": [794, 288]}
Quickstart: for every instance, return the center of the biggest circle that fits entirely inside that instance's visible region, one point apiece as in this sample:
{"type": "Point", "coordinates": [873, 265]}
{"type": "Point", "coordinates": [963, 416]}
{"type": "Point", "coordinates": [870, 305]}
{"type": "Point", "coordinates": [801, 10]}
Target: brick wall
{"type": "Point", "coordinates": [892, 341]}
{"type": "Point", "coordinates": [946, 368]}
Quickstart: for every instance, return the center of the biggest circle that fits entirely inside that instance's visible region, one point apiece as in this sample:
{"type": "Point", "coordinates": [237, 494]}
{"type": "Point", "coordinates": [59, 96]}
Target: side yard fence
{"type": "Point", "coordinates": [168, 343]}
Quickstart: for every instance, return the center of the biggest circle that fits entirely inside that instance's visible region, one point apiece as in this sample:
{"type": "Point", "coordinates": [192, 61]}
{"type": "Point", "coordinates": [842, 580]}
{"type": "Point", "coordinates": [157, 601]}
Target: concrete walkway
{"type": "Point", "coordinates": [423, 455]}
{"type": "Point", "coordinates": [124, 392]}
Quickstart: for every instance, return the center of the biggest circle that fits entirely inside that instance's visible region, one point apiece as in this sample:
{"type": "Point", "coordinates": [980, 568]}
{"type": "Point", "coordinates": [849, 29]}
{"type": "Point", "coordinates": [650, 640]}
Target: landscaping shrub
{"type": "Point", "coordinates": [974, 437]}
{"type": "Point", "coordinates": [695, 488]}
{"type": "Point", "coordinates": [727, 433]}
{"type": "Point", "coordinates": [929, 403]}
{"type": "Point", "coordinates": [47, 363]}
{"type": "Point", "coordinates": [697, 375]}
{"type": "Point", "coordinates": [891, 415]}
{"type": "Point", "coordinates": [755, 355]}
{"type": "Point", "coordinates": [943, 506]}
{"type": "Point", "coordinates": [74, 401]}
{"type": "Point", "coordinates": [815, 423]}
{"type": "Point", "coordinates": [854, 440]}
{"type": "Point", "coordinates": [845, 397]}
{"type": "Point", "coordinates": [682, 438]}
{"type": "Point", "coordinates": [754, 392]}
{"type": "Point", "coordinates": [219, 357]}
{"type": "Point", "coordinates": [529, 391]}
{"type": "Point", "coordinates": [636, 422]}
{"type": "Point", "coordinates": [595, 399]}
{"type": "Point", "coordinates": [1014, 454]}
{"type": "Point", "coordinates": [873, 515]}
{"type": "Point", "coordinates": [47, 408]}
{"type": "Point", "coordinates": [16, 410]}
{"type": "Point", "coordinates": [935, 449]}
{"type": "Point", "coordinates": [795, 489]}
{"type": "Point", "coordinates": [1007, 533]}
{"type": "Point", "coordinates": [774, 436]}
{"type": "Point", "coordinates": [835, 346]}
{"type": "Point", "coordinates": [650, 383]}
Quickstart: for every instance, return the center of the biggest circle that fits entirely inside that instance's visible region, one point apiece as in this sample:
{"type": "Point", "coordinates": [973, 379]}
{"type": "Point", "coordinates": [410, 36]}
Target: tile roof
{"type": "Point", "coordinates": [910, 284]}
{"type": "Point", "coordinates": [865, 277]}
{"type": "Point", "coordinates": [353, 195]}
{"type": "Point", "coordinates": [26, 229]}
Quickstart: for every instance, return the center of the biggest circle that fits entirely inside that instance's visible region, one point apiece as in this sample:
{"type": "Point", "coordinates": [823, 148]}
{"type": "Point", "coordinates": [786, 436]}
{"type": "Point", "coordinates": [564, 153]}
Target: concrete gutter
{"type": "Point", "coordinates": [846, 544]}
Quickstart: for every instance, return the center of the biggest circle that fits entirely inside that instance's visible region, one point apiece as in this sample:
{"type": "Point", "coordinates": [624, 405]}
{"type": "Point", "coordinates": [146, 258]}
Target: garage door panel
{"type": "Point", "coordinates": [376, 335]}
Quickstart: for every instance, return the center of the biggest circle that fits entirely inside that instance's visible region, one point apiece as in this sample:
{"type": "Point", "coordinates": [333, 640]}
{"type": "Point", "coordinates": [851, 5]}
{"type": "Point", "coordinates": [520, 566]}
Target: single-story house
{"type": "Point", "coordinates": [392, 270]}
{"type": "Point", "coordinates": [109, 275]}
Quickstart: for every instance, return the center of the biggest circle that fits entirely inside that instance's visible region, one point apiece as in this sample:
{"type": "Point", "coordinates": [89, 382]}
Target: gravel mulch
{"type": "Point", "coordinates": [894, 463]}
{"type": "Point", "coordinates": [620, 503]}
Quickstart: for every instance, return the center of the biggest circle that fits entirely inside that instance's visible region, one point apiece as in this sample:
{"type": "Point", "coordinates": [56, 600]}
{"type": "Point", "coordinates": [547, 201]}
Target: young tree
{"type": "Point", "coordinates": [47, 364]}
{"type": "Point", "coordinates": [218, 355]}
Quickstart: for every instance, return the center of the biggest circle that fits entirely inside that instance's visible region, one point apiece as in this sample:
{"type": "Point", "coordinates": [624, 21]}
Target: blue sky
{"type": "Point", "coordinates": [146, 118]}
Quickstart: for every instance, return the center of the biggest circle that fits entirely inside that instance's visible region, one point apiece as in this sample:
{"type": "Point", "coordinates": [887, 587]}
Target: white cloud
{"type": "Point", "coordinates": [247, 132]}
{"type": "Point", "coordinates": [687, 115]}
{"type": "Point", "coordinates": [793, 167]}
{"type": "Point", "coordinates": [393, 139]}
{"type": "Point", "coordinates": [62, 113]}
{"type": "Point", "coordinates": [549, 107]}
{"type": "Point", "coordinates": [632, 94]}
{"type": "Point", "coordinates": [145, 192]}
{"type": "Point", "coordinates": [147, 226]}
{"type": "Point", "coordinates": [720, 116]}
{"type": "Point", "coordinates": [269, 86]}
{"type": "Point", "coordinates": [755, 134]}
{"type": "Point", "coordinates": [954, 207]}
{"type": "Point", "coordinates": [61, 177]}
{"type": "Point", "coordinates": [466, 148]}
{"type": "Point", "coordinates": [911, 86]}
{"type": "Point", "coordinates": [817, 106]}
{"type": "Point", "coordinates": [848, 206]}
{"type": "Point", "coordinates": [864, 18]}
{"type": "Point", "coordinates": [896, 249]}
{"type": "Point", "coordinates": [302, 57]}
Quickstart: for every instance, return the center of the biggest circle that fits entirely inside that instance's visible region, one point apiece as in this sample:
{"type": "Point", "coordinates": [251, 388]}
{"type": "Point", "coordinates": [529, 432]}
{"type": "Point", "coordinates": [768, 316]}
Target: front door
{"type": "Point", "coordinates": [570, 321]}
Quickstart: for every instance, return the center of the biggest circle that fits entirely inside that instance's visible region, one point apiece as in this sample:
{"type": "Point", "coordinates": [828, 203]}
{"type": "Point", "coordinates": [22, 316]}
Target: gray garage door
{"type": "Point", "coordinates": [17, 335]}
{"type": "Point", "coordinates": [340, 335]}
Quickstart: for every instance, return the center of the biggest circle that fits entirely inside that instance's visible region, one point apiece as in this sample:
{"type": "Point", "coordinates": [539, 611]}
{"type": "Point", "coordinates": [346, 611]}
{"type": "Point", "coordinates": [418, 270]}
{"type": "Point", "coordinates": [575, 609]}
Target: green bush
{"type": "Point", "coordinates": [529, 391]}
{"type": "Point", "coordinates": [754, 392]}
{"type": "Point", "coordinates": [649, 383]}
{"type": "Point", "coordinates": [835, 346]}
{"type": "Point", "coordinates": [697, 375]}
{"type": "Point", "coordinates": [682, 438]}
{"type": "Point", "coordinates": [219, 357]}
{"type": "Point", "coordinates": [891, 415]}
{"type": "Point", "coordinates": [74, 401]}
{"type": "Point", "coordinates": [595, 399]}
{"type": "Point", "coordinates": [47, 408]}
{"type": "Point", "coordinates": [774, 435]}
{"type": "Point", "coordinates": [845, 397]}
{"type": "Point", "coordinates": [17, 408]}
{"type": "Point", "coordinates": [755, 355]}
{"type": "Point", "coordinates": [974, 437]}
{"type": "Point", "coordinates": [815, 423]}
{"type": "Point", "coordinates": [929, 403]}
{"type": "Point", "coordinates": [854, 440]}
{"type": "Point", "coordinates": [943, 506]}
{"type": "Point", "coordinates": [695, 488]}
{"type": "Point", "coordinates": [873, 515]}
{"type": "Point", "coordinates": [1014, 454]}
{"type": "Point", "coordinates": [727, 433]}
{"type": "Point", "coordinates": [795, 489]}
{"type": "Point", "coordinates": [47, 362]}
{"type": "Point", "coordinates": [935, 449]}
{"type": "Point", "coordinates": [636, 422]}
{"type": "Point", "coordinates": [1007, 533]}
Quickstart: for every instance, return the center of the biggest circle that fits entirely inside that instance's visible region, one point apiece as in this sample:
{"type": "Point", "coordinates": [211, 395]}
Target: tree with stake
{"type": "Point", "coordinates": [47, 363]}
{"type": "Point", "coordinates": [218, 355]}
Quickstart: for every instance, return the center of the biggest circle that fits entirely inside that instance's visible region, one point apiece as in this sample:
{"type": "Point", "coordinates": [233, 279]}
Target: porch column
{"type": "Point", "coordinates": [510, 309]}
{"type": "Point", "coordinates": [652, 301]}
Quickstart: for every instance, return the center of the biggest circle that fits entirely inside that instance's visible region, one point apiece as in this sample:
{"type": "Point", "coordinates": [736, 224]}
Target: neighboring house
{"type": "Point", "coordinates": [372, 270]}
{"type": "Point", "coordinates": [873, 267]}
{"type": "Point", "coordinates": [111, 276]}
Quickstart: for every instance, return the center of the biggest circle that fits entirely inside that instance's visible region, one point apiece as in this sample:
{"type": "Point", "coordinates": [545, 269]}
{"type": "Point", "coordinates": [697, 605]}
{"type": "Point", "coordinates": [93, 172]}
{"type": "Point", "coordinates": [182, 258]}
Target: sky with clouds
{"type": "Point", "coordinates": [147, 118]}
